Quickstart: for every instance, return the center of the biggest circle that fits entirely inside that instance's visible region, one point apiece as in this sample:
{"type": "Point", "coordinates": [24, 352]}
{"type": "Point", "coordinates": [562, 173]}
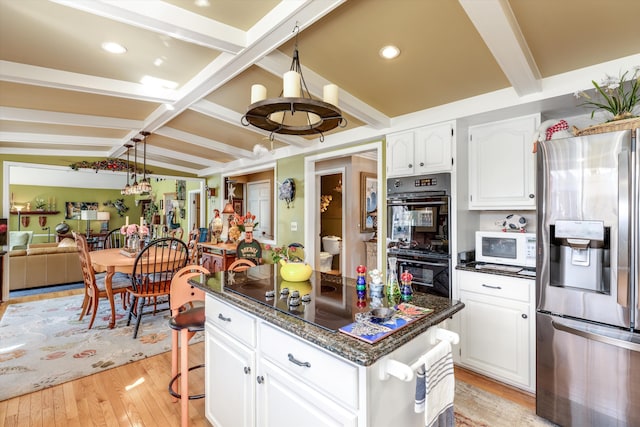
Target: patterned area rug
{"type": "Point", "coordinates": [475, 407]}
{"type": "Point", "coordinates": [43, 344]}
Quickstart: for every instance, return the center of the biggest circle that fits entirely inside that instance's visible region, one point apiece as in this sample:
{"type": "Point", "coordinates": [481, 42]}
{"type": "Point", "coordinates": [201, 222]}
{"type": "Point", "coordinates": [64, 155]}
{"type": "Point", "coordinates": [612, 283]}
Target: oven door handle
{"type": "Point", "coordinates": [433, 264]}
{"type": "Point", "coordinates": [403, 203]}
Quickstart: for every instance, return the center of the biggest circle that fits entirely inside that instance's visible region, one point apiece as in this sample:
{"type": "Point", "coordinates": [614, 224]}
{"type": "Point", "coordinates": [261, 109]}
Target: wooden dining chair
{"type": "Point", "coordinates": [114, 239]}
{"type": "Point", "coordinates": [192, 246]}
{"type": "Point", "coordinates": [94, 288]}
{"type": "Point", "coordinates": [153, 271]}
{"type": "Point", "coordinates": [241, 264]}
{"type": "Point", "coordinates": [186, 319]}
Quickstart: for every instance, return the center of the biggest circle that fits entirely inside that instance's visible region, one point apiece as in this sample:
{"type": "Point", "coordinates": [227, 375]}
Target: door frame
{"type": "Point", "coordinates": [312, 196]}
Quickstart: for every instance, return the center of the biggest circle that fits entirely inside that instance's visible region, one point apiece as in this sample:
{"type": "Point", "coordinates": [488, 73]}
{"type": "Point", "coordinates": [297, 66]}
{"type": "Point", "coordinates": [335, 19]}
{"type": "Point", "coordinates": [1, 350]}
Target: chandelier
{"type": "Point", "coordinates": [144, 186]}
{"type": "Point", "coordinates": [295, 112]}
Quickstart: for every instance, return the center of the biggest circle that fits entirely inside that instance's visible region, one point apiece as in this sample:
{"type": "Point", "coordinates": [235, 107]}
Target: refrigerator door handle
{"type": "Point", "coordinates": [629, 345]}
{"type": "Point", "coordinates": [624, 210]}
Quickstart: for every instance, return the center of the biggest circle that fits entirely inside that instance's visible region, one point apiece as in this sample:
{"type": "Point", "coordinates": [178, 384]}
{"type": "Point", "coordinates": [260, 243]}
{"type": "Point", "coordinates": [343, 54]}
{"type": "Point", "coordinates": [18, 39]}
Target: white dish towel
{"type": "Point", "coordinates": [435, 387]}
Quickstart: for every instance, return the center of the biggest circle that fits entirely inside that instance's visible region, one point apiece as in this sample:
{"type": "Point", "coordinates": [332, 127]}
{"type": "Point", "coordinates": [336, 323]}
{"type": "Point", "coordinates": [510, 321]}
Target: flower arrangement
{"type": "Point", "coordinates": [41, 204]}
{"type": "Point", "coordinates": [131, 229]}
{"type": "Point", "coordinates": [618, 97]}
{"type": "Point", "coordinates": [289, 253]}
{"type": "Point", "coordinates": [244, 222]}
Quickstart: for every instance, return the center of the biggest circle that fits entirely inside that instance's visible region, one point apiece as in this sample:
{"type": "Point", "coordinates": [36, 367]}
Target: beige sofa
{"type": "Point", "coordinates": [44, 264]}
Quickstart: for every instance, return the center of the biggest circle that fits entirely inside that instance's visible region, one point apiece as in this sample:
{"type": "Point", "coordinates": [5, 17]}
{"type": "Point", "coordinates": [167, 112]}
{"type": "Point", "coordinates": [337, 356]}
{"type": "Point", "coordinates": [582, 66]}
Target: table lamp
{"type": "Point", "coordinates": [88, 215]}
{"type": "Point", "coordinates": [104, 217]}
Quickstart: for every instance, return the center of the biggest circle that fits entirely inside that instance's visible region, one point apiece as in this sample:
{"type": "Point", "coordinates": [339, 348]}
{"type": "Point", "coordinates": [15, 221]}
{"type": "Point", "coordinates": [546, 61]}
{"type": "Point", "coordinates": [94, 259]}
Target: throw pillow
{"type": "Point", "coordinates": [67, 242]}
{"type": "Point", "coordinates": [19, 240]}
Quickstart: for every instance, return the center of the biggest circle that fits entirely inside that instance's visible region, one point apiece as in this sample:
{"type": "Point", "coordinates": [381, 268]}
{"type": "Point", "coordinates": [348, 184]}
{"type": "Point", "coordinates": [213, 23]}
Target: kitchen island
{"type": "Point", "coordinates": [272, 363]}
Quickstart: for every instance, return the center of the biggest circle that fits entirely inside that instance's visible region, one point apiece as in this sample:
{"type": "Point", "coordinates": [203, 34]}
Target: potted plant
{"type": "Point", "coordinates": [41, 204]}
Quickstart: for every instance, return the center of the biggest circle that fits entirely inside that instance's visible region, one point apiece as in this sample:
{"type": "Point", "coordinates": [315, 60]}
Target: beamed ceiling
{"type": "Point", "coordinates": [61, 95]}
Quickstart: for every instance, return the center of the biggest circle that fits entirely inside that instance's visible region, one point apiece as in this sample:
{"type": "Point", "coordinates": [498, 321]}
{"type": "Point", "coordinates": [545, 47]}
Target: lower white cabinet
{"type": "Point", "coordinates": [497, 327]}
{"type": "Point", "coordinates": [229, 372]}
{"type": "Point", "coordinates": [259, 375]}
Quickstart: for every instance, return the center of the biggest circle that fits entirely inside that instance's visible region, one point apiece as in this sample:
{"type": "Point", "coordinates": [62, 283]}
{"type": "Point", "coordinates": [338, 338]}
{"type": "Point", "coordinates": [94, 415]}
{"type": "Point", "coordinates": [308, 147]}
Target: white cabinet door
{"type": "Point", "coordinates": [400, 159]}
{"type": "Point", "coordinates": [502, 165]}
{"type": "Point", "coordinates": [230, 381]}
{"type": "Point", "coordinates": [284, 401]}
{"type": "Point", "coordinates": [433, 149]}
{"type": "Point", "coordinates": [495, 337]}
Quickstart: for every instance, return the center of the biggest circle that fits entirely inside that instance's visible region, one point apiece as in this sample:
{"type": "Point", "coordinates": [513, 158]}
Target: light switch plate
{"type": "Point", "coordinates": [294, 226]}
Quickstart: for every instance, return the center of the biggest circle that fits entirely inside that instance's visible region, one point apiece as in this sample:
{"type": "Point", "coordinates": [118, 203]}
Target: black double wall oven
{"type": "Point", "coordinates": [418, 215]}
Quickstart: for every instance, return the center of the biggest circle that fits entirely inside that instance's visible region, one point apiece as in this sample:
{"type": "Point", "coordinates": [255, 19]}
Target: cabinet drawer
{"type": "Point", "coordinates": [494, 285]}
{"type": "Point", "coordinates": [232, 320]}
{"type": "Point", "coordinates": [334, 377]}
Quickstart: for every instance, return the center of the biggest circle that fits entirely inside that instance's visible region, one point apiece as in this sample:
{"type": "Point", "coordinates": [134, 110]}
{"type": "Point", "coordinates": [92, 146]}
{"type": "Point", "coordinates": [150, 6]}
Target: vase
{"type": "Point", "coordinates": [133, 243]}
{"type": "Point", "coordinates": [295, 271]}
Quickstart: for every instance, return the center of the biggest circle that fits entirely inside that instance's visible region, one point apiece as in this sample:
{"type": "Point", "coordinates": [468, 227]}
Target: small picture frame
{"type": "Point", "coordinates": [368, 202]}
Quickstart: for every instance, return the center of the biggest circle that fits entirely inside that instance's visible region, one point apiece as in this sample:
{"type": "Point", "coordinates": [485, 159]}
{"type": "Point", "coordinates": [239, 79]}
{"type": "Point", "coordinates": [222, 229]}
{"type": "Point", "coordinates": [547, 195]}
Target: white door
{"type": "Point", "coordinates": [259, 196]}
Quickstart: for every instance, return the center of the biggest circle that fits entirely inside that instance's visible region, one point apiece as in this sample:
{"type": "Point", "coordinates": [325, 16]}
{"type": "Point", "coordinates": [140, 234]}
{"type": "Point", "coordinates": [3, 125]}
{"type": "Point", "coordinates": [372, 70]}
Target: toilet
{"type": "Point", "coordinates": [331, 246]}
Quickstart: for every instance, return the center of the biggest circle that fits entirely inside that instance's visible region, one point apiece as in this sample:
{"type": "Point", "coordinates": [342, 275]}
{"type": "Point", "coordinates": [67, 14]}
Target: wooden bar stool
{"type": "Point", "coordinates": [186, 320]}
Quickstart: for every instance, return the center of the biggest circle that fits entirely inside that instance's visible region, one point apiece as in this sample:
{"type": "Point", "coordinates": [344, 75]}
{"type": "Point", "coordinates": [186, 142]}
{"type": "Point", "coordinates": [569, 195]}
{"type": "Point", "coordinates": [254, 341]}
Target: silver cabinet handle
{"type": "Point", "coordinates": [421, 163]}
{"type": "Point", "coordinates": [524, 316]}
{"type": "Point", "coordinates": [224, 319]}
{"type": "Point", "coordinates": [297, 362]}
{"type": "Point", "coordinates": [531, 196]}
{"type": "Point", "coordinates": [621, 343]}
{"type": "Point", "coordinates": [492, 287]}
{"type": "Point", "coordinates": [410, 165]}
{"type": "Point", "coordinates": [260, 379]}
{"type": "Point", "coordinates": [247, 370]}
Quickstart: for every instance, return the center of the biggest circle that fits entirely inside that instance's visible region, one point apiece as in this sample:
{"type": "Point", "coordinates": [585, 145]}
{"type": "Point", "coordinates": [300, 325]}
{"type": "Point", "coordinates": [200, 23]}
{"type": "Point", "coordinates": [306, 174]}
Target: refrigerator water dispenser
{"type": "Point", "coordinates": [579, 250]}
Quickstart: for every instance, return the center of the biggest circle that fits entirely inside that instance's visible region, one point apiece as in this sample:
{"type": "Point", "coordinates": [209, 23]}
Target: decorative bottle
{"type": "Point", "coordinates": [406, 290]}
{"type": "Point", "coordinates": [361, 283]}
{"type": "Point", "coordinates": [393, 288]}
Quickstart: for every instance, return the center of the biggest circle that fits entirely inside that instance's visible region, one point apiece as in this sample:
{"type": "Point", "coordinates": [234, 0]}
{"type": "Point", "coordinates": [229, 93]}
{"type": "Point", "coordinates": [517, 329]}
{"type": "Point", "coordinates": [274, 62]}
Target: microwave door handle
{"type": "Point", "coordinates": [624, 209]}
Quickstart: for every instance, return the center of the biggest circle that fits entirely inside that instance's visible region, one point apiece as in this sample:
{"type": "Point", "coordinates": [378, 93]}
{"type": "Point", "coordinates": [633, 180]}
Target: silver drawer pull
{"type": "Point", "coordinates": [247, 370]}
{"type": "Point", "coordinates": [224, 319]}
{"type": "Point", "coordinates": [491, 287]}
{"type": "Point", "coordinates": [297, 362]}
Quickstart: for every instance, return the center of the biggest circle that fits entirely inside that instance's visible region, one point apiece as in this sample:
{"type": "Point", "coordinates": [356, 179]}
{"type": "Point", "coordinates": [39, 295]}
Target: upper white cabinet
{"type": "Point", "coordinates": [420, 151]}
{"type": "Point", "coordinates": [502, 164]}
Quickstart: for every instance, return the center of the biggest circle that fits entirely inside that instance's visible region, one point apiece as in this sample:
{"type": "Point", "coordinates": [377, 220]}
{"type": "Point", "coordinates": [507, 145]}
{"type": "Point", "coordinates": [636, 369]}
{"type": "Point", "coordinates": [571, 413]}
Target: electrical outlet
{"type": "Point", "coordinates": [294, 226]}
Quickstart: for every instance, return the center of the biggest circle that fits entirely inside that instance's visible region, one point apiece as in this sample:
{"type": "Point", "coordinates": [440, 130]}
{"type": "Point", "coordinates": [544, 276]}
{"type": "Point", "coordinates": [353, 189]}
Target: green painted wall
{"type": "Point", "coordinates": [24, 194]}
{"type": "Point", "coordinates": [292, 167]}
{"type": "Point", "coordinates": [66, 161]}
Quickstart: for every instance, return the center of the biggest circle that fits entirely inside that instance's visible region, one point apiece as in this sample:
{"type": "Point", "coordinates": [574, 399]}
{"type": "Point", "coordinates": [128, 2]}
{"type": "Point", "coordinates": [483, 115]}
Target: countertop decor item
{"type": "Point", "coordinates": [295, 271]}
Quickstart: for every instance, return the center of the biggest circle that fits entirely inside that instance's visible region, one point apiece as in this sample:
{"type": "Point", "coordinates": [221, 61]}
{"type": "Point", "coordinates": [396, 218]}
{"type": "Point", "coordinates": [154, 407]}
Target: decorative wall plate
{"type": "Point", "coordinates": [287, 191]}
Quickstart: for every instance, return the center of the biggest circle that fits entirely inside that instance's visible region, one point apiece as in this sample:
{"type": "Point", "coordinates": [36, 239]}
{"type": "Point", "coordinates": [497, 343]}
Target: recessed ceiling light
{"type": "Point", "coordinates": [389, 52]}
{"type": "Point", "coordinates": [113, 47]}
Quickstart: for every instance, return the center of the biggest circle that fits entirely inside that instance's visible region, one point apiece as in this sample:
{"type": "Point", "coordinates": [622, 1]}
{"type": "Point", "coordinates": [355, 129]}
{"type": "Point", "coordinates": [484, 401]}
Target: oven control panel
{"type": "Point", "coordinates": [418, 184]}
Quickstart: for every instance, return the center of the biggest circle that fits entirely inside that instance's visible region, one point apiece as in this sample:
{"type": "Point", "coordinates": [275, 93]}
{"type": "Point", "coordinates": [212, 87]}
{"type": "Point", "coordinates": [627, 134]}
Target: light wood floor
{"type": "Point", "coordinates": [136, 394]}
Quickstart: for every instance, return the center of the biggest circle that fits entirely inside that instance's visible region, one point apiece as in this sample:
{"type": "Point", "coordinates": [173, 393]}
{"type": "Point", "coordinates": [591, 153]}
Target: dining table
{"type": "Point", "coordinates": [112, 261]}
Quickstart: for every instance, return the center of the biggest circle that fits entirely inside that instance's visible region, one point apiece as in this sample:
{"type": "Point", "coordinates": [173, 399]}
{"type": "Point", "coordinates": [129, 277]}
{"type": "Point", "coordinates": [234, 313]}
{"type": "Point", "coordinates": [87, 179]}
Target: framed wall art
{"type": "Point", "coordinates": [368, 202]}
{"type": "Point", "coordinates": [72, 209]}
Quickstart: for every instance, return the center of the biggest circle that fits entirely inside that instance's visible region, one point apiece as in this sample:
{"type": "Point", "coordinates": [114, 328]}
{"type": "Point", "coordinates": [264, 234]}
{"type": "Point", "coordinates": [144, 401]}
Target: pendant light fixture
{"type": "Point", "coordinates": [127, 188]}
{"type": "Point", "coordinates": [295, 112]}
{"type": "Point", "coordinates": [135, 187]}
{"type": "Point", "coordinates": [145, 185]}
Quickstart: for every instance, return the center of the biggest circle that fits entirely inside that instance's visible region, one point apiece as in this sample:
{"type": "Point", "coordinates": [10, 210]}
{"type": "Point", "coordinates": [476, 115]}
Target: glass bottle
{"type": "Point", "coordinates": [406, 290]}
{"type": "Point", "coordinates": [393, 287]}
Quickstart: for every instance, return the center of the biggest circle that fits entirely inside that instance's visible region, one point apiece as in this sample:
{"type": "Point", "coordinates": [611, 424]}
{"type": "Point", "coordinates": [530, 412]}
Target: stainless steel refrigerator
{"type": "Point", "coordinates": [588, 320]}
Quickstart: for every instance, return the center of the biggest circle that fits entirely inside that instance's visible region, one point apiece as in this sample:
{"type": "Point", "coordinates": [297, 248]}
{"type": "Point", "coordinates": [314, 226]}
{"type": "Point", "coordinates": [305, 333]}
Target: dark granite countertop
{"type": "Point", "coordinates": [473, 266]}
{"type": "Point", "coordinates": [338, 343]}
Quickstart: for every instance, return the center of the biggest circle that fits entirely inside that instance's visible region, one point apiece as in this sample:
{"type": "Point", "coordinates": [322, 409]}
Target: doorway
{"type": "Point", "coordinates": [332, 215]}
{"type": "Point", "coordinates": [363, 158]}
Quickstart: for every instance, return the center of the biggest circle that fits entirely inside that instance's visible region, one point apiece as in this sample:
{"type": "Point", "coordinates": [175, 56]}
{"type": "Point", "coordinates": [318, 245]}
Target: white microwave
{"type": "Point", "coordinates": [510, 248]}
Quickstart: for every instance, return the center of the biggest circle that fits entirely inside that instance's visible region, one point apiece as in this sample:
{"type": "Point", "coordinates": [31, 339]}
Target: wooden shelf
{"type": "Point", "coordinates": [35, 212]}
